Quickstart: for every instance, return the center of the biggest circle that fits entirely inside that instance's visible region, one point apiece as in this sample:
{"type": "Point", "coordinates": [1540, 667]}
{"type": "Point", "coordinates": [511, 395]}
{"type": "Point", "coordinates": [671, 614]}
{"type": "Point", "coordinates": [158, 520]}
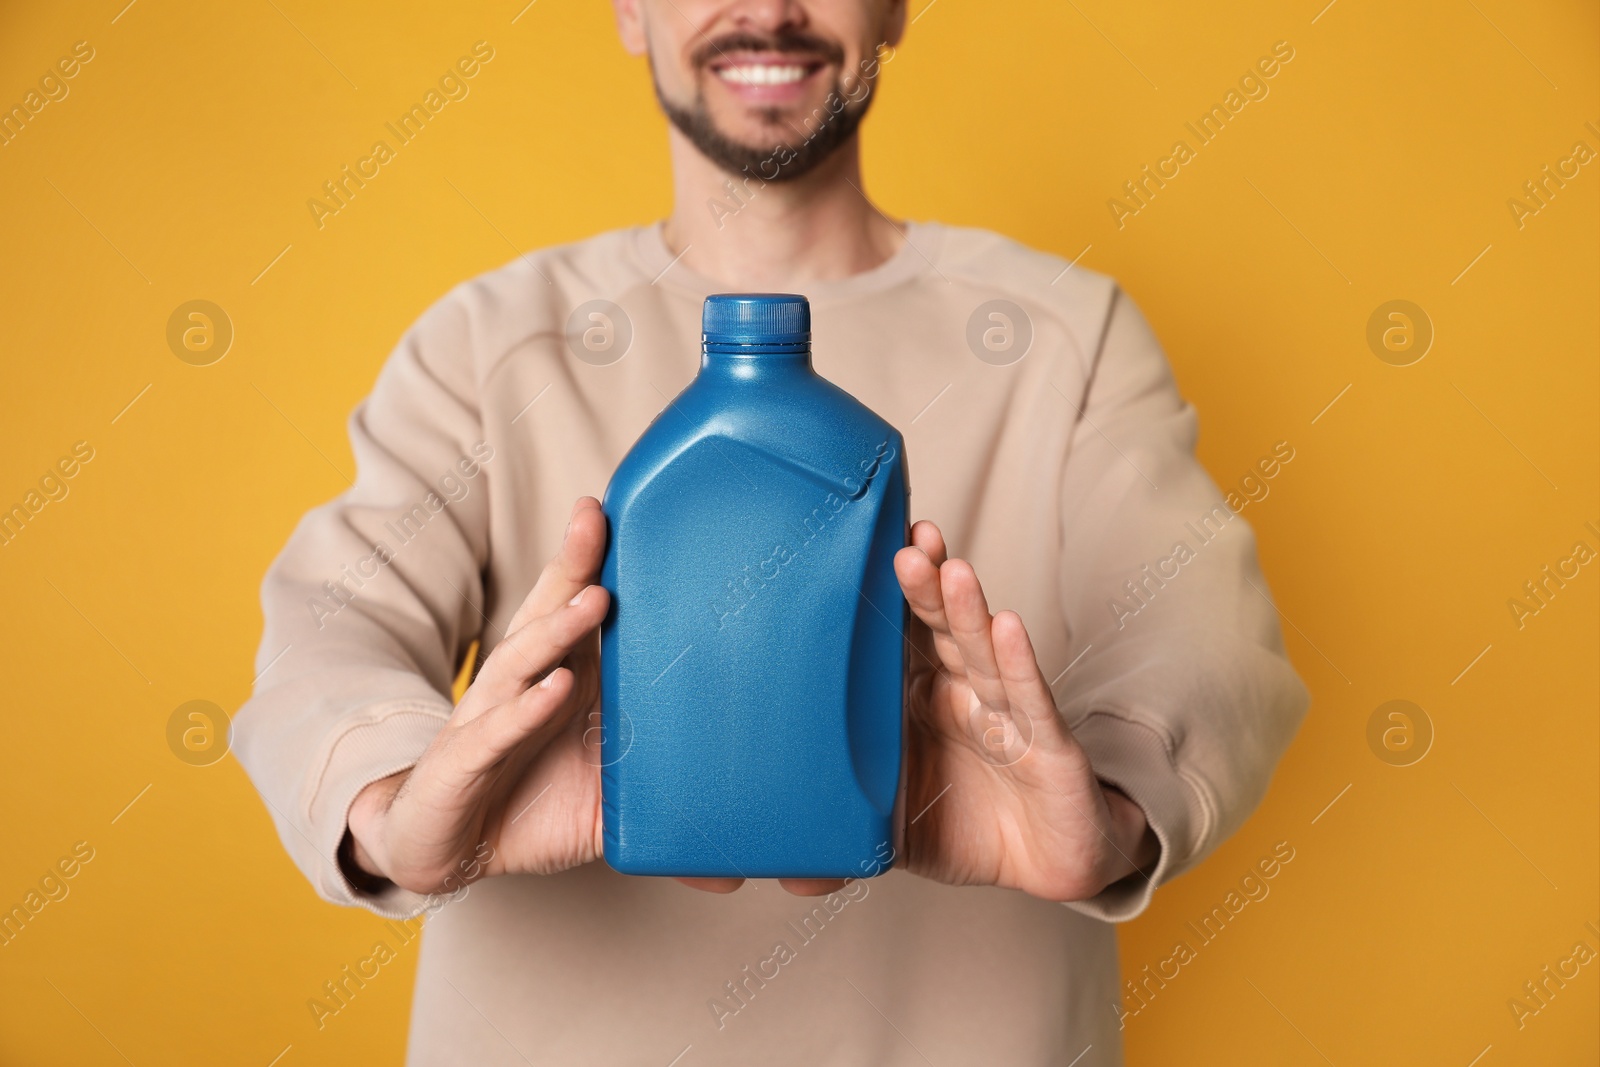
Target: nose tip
{"type": "Point", "coordinates": [769, 14]}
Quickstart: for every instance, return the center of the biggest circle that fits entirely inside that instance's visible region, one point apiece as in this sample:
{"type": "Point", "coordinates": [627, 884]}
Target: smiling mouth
{"type": "Point", "coordinates": [765, 73]}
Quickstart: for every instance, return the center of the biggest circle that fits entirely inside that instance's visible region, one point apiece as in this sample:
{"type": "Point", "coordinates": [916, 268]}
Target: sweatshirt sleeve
{"type": "Point", "coordinates": [1184, 699]}
{"type": "Point", "coordinates": [371, 606]}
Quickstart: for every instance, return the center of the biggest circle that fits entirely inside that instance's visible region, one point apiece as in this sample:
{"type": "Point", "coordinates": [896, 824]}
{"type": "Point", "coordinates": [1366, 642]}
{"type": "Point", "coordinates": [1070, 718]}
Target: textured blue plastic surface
{"type": "Point", "coordinates": [756, 319]}
{"type": "Point", "coordinates": [752, 665]}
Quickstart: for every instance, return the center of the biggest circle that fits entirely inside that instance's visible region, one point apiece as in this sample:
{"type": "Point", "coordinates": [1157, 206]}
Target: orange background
{"type": "Point", "coordinates": [1378, 168]}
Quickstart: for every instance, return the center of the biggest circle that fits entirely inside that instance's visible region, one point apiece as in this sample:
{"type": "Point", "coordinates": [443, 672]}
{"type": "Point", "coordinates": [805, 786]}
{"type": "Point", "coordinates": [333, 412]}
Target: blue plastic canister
{"type": "Point", "coordinates": [753, 662]}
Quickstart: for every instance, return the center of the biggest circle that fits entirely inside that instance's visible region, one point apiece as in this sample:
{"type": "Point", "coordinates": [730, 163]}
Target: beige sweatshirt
{"type": "Point", "coordinates": [1067, 477]}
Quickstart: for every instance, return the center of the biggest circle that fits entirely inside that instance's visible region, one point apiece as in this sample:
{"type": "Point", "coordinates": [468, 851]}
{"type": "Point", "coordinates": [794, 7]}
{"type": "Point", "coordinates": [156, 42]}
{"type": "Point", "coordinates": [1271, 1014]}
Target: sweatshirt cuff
{"type": "Point", "coordinates": [381, 742]}
{"type": "Point", "coordinates": [1136, 759]}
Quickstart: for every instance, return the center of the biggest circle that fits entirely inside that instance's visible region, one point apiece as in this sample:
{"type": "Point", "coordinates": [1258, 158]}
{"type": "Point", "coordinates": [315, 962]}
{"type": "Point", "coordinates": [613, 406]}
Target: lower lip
{"type": "Point", "coordinates": [764, 93]}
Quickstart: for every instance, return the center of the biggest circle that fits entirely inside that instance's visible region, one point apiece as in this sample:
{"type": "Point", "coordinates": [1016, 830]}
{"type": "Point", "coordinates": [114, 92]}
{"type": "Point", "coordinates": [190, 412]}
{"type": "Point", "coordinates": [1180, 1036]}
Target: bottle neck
{"type": "Point", "coordinates": [754, 362]}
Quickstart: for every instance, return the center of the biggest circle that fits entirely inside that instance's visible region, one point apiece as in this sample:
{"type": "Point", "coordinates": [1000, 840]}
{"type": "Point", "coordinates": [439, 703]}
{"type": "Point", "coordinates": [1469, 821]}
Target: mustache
{"type": "Point", "coordinates": [797, 41]}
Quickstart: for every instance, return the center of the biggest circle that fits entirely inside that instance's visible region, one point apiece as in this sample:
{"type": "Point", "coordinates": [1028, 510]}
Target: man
{"type": "Point", "coordinates": [1093, 741]}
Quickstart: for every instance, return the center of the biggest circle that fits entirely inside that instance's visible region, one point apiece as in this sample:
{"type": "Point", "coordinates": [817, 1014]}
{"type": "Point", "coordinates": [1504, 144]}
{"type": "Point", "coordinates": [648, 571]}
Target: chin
{"type": "Point", "coordinates": [762, 118]}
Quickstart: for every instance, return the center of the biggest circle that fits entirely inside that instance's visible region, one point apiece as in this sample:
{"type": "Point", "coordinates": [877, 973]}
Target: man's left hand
{"type": "Point", "coordinates": [998, 790]}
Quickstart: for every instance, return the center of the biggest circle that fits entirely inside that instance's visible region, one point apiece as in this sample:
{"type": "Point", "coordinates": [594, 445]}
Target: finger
{"type": "Point", "coordinates": [919, 581]}
{"type": "Point", "coordinates": [713, 885]}
{"type": "Point", "coordinates": [926, 536]}
{"type": "Point", "coordinates": [458, 765]}
{"type": "Point", "coordinates": [969, 620]}
{"type": "Point", "coordinates": [812, 887]}
{"type": "Point", "coordinates": [529, 652]}
{"type": "Point", "coordinates": [576, 563]}
{"type": "Point", "coordinates": [1026, 687]}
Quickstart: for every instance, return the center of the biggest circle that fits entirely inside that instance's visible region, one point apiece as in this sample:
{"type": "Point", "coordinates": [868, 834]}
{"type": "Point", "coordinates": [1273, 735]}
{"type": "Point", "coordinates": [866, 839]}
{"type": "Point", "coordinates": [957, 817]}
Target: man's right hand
{"type": "Point", "coordinates": [517, 767]}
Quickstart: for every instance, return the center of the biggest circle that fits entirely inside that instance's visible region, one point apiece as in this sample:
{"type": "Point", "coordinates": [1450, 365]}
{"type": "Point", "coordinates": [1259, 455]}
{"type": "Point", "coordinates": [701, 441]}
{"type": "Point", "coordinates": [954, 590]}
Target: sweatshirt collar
{"type": "Point", "coordinates": [915, 257]}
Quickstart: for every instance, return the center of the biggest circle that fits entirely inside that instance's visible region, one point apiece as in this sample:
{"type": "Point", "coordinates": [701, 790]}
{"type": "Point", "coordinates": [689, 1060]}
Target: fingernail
{"type": "Point", "coordinates": [574, 600]}
{"type": "Point", "coordinates": [548, 681]}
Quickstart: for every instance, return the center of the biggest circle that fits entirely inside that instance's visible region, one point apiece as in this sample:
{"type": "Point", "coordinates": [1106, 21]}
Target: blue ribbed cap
{"type": "Point", "coordinates": [756, 319]}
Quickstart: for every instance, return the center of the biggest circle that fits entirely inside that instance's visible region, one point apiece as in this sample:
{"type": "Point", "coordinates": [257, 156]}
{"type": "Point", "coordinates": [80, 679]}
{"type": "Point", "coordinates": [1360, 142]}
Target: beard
{"type": "Point", "coordinates": [799, 150]}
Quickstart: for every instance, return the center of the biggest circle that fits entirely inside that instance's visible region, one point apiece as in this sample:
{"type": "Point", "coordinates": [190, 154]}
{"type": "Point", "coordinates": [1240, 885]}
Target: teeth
{"type": "Point", "coordinates": [757, 74]}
